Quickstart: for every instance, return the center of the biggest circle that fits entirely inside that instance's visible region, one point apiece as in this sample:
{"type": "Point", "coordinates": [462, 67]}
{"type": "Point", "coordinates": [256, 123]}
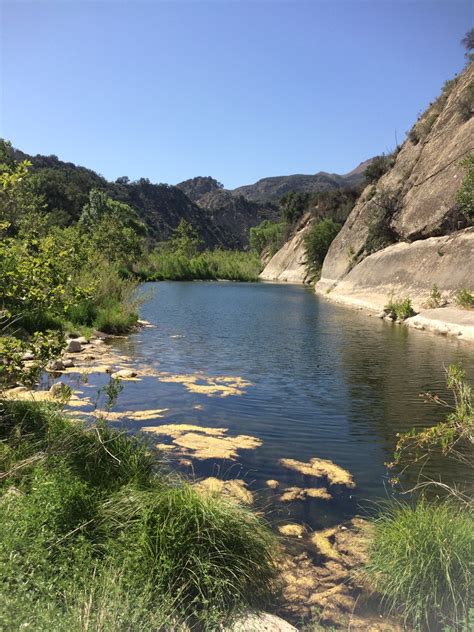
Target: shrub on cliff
{"type": "Point", "coordinates": [465, 194]}
{"type": "Point", "coordinates": [317, 242]}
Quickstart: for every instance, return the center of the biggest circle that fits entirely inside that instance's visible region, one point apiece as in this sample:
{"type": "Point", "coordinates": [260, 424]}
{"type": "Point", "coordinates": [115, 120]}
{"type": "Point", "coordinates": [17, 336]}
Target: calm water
{"type": "Point", "coordinates": [327, 382]}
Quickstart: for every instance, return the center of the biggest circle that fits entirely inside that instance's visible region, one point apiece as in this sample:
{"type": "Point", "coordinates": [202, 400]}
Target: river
{"type": "Point", "coordinates": [320, 380]}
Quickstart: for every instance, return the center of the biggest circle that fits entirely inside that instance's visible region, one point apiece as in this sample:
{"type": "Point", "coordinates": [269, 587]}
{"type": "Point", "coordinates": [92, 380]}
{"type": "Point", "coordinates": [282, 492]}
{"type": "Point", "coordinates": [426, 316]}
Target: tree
{"type": "Point", "coordinates": [317, 242]}
{"type": "Point", "coordinates": [185, 241]}
{"type": "Point", "coordinates": [468, 43]}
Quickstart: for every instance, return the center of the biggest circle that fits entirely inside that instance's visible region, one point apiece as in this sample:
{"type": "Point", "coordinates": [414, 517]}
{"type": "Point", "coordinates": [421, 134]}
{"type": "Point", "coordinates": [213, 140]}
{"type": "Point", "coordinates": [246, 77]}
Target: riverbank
{"type": "Point", "coordinates": [450, 320]}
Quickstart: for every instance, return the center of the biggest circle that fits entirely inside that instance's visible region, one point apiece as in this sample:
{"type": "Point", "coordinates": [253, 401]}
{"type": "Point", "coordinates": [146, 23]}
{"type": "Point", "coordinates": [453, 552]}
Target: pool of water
{"type": "Point", "coordinates": [326, 382]}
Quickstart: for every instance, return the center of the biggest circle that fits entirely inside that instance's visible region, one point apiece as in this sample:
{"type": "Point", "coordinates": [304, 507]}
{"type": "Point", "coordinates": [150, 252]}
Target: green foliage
{"type": "Point", "coordinates": [267, 235]}
{"type": "Point", "coordinates": [41, 348]}
{"type": "Point", "coordinates": [399, 308]}
{"type": "Point", "coordinates": [184, 241]}
{"type": "Point", "coordinates": [465, 194]}
{"type": "Point", "coordinates": [436, 298]}
{"type": "Point", "coordinates": [162, 265]}
{"type": "Point", "coordinates": [465, 298]}
{"type": "Point", "coordinates": [421, 562]}
{"type": "Point", "coordinates": [317, 241]}
{"type": "Point", "coordinates": [378, 166]}
{"type": "Point", "coordinates": [335, 204]}
{"type": "Point", "coordinates": [87, 505]}
{"type": "Point", "coordinates": [383, 206]}
{"type": "Point", "coordinates": [454, 432]}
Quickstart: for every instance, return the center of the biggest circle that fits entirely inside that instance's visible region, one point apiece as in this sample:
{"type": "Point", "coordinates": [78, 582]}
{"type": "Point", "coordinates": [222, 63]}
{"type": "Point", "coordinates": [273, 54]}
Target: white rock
{"type": "Point", "coordinates": [124, 374]}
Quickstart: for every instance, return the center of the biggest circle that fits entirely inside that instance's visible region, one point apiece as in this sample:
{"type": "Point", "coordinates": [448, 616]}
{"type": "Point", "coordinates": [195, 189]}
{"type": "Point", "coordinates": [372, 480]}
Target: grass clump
{"type": "Point", "coordinates": [399, 308]}
{"type": "Point", "coordinates": [96, 536]}
{"type": "Point", "coordinates": [465, 298]}
{"type": "Point", "coordinates": [421, 562]}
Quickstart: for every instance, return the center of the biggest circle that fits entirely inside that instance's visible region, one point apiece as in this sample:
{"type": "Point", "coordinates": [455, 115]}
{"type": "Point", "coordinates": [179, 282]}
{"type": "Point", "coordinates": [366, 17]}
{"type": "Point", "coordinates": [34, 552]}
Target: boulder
{"type": "Point", "coordinates": [73, 346]}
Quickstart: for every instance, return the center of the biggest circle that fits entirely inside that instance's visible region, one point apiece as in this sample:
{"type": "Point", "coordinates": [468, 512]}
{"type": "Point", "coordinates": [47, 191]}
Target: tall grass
{"type": "Point", "coordinates": [208, 265]}
{"type": "Point", "coordinates": [421, 562]}
{"type": "Point", "coordinates": [96, 536]}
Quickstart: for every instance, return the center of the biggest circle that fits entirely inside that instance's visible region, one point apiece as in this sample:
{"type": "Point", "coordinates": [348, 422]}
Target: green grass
{"type": "Point", "coordinates": [97, 536]}
{"type": "Point", "coordinates": [399, 308]}
{"type": "Point", "coordinates": [421, 562]}
{"type": "Point", "coordinates": [465, 298]}
{"type": "Point", "coordinates": [209, 265]}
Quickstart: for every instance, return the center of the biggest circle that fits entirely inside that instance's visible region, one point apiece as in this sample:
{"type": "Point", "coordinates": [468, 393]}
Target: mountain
{"type": "Point", "coordinates": [233, 215]}
{"type": "Point", "coordinates": [274, 188]}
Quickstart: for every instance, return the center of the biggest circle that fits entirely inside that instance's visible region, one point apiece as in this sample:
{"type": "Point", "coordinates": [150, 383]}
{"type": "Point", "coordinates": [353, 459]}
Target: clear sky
{"type": "Point", "coordinates": [234, 89]}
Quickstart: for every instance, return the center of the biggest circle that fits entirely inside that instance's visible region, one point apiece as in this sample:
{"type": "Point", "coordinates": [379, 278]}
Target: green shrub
{"type": "Point", "coordinates": [216, 264]}
{"type": "Point", "coordinates": [399, 309]}
{"type": "Point", "coordinates": [465, 194]}
{"type": "Point", "coordinates": [421, 562]}
{"type": "Point", "coordinates": [267, 235]}
{"type": "Point", "coordinates": [381, 209]}
{"type": "Point", "coordinates": [317, 241]}
{"type": "Point", "coordinates": [436, 298]}
{"type": "Point", "coordinates": [378, 166]}
{"type": "Point", "coordinates": [465, 298]}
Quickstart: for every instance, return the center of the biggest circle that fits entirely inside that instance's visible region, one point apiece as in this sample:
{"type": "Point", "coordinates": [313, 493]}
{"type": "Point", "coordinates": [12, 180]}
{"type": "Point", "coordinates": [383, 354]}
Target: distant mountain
{"type": "Point", "coordinates": [232, 215]}
{"type": "Point", "coordinates": [274, 188]}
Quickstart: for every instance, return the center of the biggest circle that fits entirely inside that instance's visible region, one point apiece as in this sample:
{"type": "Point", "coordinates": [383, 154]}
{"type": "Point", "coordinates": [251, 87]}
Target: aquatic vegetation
{"type": "Point", "coordinates": [321, 541]}
{"type": "Point", "coordinates": [205, 443]}
{"type": "Point", "coordinates": [235, 489]}
{"type": "Point", "coordinates": [298, 493]}
{"type": "Point", "coordinates": [22, 394]}
{"type": "Point", "coordinates": [135, 415]}
{"type": "Point", "coordinates": [221, 386]}
{"type": "Point", "coordinates": [292, 530]}
{"type": "Point", "coordinates": [321, 468]}
{"type": "Point", "coordinates": [272, 483]}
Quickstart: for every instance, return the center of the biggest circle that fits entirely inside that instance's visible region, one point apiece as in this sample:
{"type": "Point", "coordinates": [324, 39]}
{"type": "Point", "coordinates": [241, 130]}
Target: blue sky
{"type": "Point", "coordinates": [237, 90]}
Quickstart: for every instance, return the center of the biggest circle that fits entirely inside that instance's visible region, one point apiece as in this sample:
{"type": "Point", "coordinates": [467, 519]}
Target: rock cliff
{"type": "Point", "coordinates": [414, 200]}
{"type": "Point", "coordinates": [406, 232]}
{"type": "Point", "coordinates": [289, 263]}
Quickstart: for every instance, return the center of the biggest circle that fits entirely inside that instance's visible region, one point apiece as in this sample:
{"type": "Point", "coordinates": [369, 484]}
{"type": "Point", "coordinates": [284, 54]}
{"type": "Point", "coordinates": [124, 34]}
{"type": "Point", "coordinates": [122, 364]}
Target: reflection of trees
{"type": "Point", "coordinates": [385, 368]}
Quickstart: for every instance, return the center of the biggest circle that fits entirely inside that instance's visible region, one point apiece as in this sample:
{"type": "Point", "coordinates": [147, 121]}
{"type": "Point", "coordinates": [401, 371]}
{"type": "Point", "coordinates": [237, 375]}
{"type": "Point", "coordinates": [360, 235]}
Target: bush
{"type": "Point", "coordinates": [465, 298]}
{"type": "Point", "coordinates": [378, 166]}
{"type": "Point", "coordinates": [436, 298]}
{"type": "Point", "coordinates": [269, 235]}
{"type": "Point", "coordinates": [382, 208]}
{"type": "Point", "coordinates": [421, 562]}
{"type": "Point", "coordinates": [465, 194]}
{"type": "Point", "coordinates": [399, 309]}
{"type": "Point", "coordinates": [317, 241]}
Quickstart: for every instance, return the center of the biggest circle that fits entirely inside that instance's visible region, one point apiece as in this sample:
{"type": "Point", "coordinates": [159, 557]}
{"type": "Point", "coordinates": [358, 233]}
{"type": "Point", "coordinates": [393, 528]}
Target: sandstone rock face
{"type": "Point", "coordinates": [418, 192]}
{"type": "Point", "coordinates": [289, 263]}
{"type": "Point", "coordinates": [409, 270]}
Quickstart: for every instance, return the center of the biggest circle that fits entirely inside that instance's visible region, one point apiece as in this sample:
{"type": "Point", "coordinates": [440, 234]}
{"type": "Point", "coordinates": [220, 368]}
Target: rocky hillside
{"type": "Point", "coordinates": [273, 189]}
{"type": "Point", "coordinates": [232, 215]}
{"type": "Point", "coordinates": [414, 201]}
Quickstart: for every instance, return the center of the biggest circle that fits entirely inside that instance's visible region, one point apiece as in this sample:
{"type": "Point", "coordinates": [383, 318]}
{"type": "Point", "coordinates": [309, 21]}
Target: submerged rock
{"type": "Point", "coordinates": [292, 530]}
{"type": "Point", "coordinates": [291, 494]}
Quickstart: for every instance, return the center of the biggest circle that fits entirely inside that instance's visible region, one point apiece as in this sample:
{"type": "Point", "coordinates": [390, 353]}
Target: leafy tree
{"type": "Point", "coordinates": [114, 227]}
{"type": "Point", "coordinates": [267, 235]}
{"type": "Point", "coordinates": [465, 194]}
{"type": "Point", "coordinates": [185, 241]}
{"type": "Point", "coordinates": [317, 242]}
